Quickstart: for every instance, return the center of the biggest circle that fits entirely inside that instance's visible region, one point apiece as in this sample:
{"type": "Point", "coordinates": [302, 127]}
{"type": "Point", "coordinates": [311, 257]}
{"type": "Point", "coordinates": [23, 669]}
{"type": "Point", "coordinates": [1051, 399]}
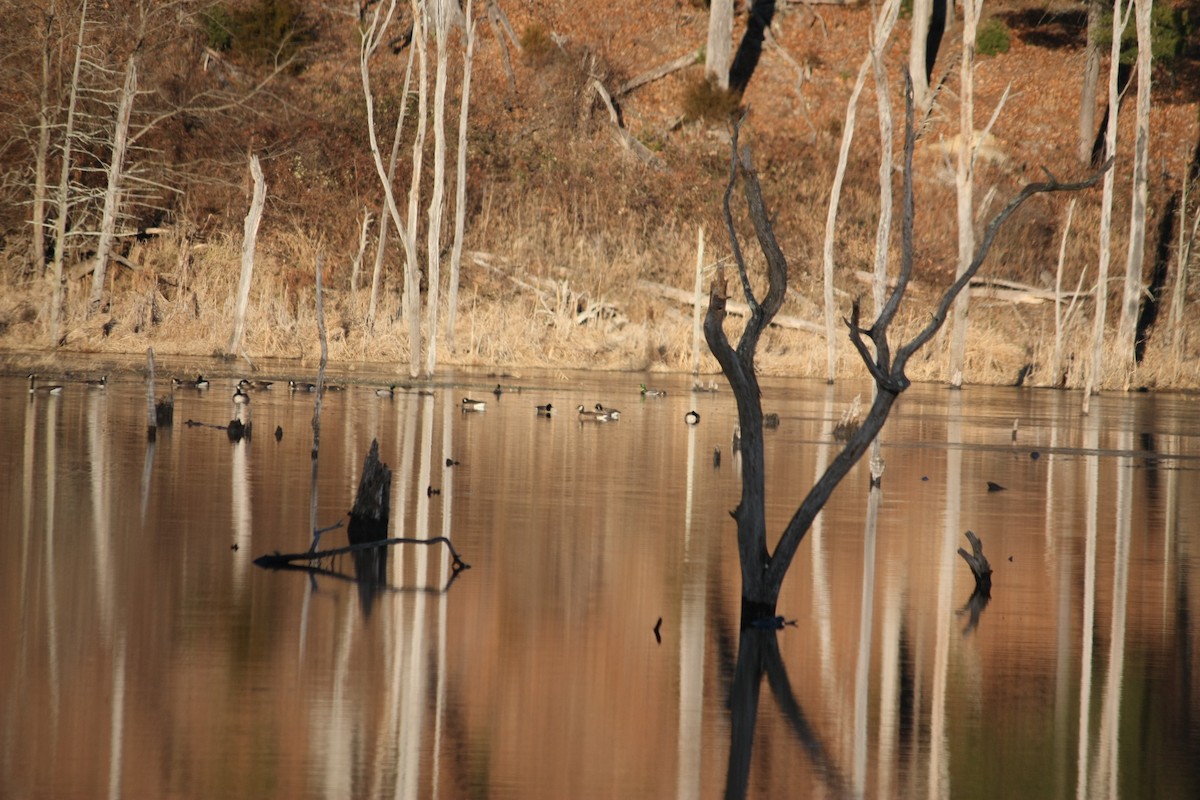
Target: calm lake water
{"type": "Point", "coordinates": [143, 656]}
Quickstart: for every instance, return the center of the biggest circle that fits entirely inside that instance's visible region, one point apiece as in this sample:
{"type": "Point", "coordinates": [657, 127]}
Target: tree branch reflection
{"type": "Point", "coordinates": [758, 654]}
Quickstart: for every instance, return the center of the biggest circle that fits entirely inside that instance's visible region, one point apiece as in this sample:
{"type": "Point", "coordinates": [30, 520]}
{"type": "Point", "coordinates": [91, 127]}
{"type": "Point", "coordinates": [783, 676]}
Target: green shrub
{"type": "Point", "coordinates": [992, 38]}
{"type": "Point", "coordinates": [705, 100]}
{"type": "Point", "coordinates": [1169, 30]}
{"type": "Point", "coordinates": [268, 31]}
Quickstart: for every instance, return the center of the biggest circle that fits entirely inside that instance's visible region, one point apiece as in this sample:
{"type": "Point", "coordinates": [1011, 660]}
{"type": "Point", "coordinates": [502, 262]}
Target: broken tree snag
{"type": "Point", "coordinates": [978, 563]}
{"type": "Point", "coordinates": [369, 517]}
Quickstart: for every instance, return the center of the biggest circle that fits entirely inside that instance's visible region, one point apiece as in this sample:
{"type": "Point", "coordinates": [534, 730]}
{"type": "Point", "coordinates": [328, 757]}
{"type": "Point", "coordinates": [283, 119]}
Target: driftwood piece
{"type": "Point", "coordinates": [626, 139]}
{"type": "Point", "coordinates": [732, 307]}
{"type": "Point", "coordinates": [661, 71]}
{"type": "Point", "coordinates": [285, 560]}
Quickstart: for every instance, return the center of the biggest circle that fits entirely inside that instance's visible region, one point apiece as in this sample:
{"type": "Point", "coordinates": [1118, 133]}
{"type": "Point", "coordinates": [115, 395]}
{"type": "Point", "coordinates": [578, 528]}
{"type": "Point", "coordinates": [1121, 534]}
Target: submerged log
{"type": "Point", "coordinates": [286, 560]}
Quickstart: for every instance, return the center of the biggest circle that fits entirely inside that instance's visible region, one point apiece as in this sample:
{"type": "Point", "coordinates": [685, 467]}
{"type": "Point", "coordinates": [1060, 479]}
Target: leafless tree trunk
{"type": "Point", "coordinates": [922, 11]}
{"type": "Point", "coordinates": [883, 229]}
{"type": "Point", "coordinates": [1183, 260]}
{"type": "Point", "coordinates": [1136, 254]}
{"type": "Point", "coordinates": [718, 56]}
{"type": "Point", "coordinates": [41, 155]}
{"type": "Point", "coordinates": [112, 194]}
{"type": "Point", "coordinates": [364, 232]}
{"type": "Point", "coordinates": [1091, 79]}
{"type": "Point", "coordinates": [64, 187]}
{"type": "Point", "coordinates": [881, 32]}
{"type": "Point", "coordinates": [1059, 318]}
{"type": "Point", "coordinates": [372, 36]}
{"type": "Point", "coordinates": [1121, 13]}
{"type": "Point", "coordinates": [460, 185]}
{"type": "Point", "coordinates": [437, 198]}
{"type": "Point", "coordinates": [249, 240]}
{"type": "Point", "coordinates": [965, 186]}
{"type": "Point", "coordinates": [763, 571]}
{"type": "Point", "coordinates": [412, 278]}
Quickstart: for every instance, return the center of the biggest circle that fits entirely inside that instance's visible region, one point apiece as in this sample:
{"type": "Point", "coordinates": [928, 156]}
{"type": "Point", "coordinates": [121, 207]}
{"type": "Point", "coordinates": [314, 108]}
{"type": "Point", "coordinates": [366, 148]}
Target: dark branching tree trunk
{"type": "Point", "coordinates": [763, 571]}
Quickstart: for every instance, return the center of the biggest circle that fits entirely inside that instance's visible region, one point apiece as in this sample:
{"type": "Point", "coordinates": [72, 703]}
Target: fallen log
{"type": "Point", "coordinates": [283, 560]}
{"type": "Point", "coordinates": [731, 306]}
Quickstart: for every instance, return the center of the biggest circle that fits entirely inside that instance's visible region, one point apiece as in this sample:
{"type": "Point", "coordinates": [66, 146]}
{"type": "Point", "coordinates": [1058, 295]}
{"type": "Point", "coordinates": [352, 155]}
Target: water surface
{"type": "Point", "coordinates": [144, 655]}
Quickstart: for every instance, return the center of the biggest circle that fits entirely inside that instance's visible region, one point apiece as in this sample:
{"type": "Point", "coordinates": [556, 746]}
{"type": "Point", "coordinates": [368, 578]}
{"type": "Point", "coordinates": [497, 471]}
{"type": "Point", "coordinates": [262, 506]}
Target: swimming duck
{"type": "Point", "coordinates": [611, 413]}
{"type": "Point", "coordinates": [473, 405]}
{"type": "Point", "coordinates": [691, 418]}
{"type": "Point", "coordinates": [597, 415]}
{"type": "Point", "coordinates": [245, 384]}
{"type": "Point", "coordinates": [388, 392]}
{"type": "Point", "coordinates": [302, 387]}
{"type": "Point", "coordinates": [652, 392]}
{"type": "Point", "coordinates": [240, 398]}
{"type": "Point", "coordinates": [200, 383]}
{"type": "Point", "coordinates": [97, 383]}
{"type": "Point", "coordinates": [47, 389]}
{"type": "Point", "coordinates": [771, 420]}
{"type": "Point", "coordinates": [497, 391]}
{"type": "Point", "coordinates": [545, 411]}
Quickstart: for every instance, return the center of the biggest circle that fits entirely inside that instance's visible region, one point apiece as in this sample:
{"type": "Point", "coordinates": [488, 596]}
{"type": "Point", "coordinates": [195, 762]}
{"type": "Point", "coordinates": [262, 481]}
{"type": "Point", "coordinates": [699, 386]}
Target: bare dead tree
{"type": "Point", "coordinates": [763, 570]}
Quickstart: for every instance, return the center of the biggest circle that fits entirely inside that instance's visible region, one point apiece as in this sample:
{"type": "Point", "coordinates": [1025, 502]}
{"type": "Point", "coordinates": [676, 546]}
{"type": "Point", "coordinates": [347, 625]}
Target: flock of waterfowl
{"type": "Point", "coordinates": [243, 388]}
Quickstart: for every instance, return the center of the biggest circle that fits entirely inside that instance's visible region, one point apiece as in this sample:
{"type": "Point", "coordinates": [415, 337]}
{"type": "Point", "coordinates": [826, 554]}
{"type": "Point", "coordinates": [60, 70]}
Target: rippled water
{"type": "Point", "coordinates": [143, 655]}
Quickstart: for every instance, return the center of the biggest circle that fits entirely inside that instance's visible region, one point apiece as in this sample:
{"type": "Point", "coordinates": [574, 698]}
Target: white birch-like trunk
{"type": "Point", "coordinates": [364, 232]}
{"type": "Point", "coordinates": [1121, 12]}
{"type": "Point", "coordinates": [922, 12]}
{"type": "Point", "coordinates": [883, 231]}
{"type": "Point", "coordinates": [965, 186]}
{"type": "Point", "coordinates": [41, 155]}
{"type": "Point", "coordinates": [835, 194]}
{"type": "Point", "coordinates": [1136, 254]}
{"type": "Point", "coordinates": [371, 37]}
{"type": "Point", "coordinates": [112, 193]}
{"type": "Point", "coordinates": [718, 55]}
{"type": "Point", "coordinates": [1056, 358]}
{"type": "Point", "coordinates": [64, 188]}
{"type": "Point", "coordinates": [460, 185]}
{"type": "Point", "coordinates": [249, 240]}
{"type": "Point", "coordinates": [1183, 258]}
{"type": "Point", "coordinates": [437, 197]}
{"type": "Point", "coordinates": [412, 277]}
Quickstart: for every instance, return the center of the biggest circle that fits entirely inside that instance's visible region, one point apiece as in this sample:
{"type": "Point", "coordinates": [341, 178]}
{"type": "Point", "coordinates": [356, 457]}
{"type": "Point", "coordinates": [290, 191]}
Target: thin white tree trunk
{"type": "Point", "coordinates": [965, 185]}
{"type": "Point", "coordinates": [412, 277]}
{"type": "Point", "coordinates": [112, 194]}
{"type": "Point", "coordinates": [370, 42]}
{"type": "Point", "coordinates": [835, 194]}
{"type": "Point", "coordinates": [1121, 12]}
{"type": "Point", "coordinates": [363, 237]}
{"type": "Point", "coordinates": [249, 240]}
{"type": "Point", "coordinates": [390, 211]}
{"type": "Point", "coordinates": [1136, 254]}
{"type": "Point", "coordinates": [922, 12]}
{"type": "Point", "coordinates": [41, 155]}
{"type": "Point", "coordinates": [64, 187]}
{"type": "Point", "coordinates": [1183, 259]}
{"type": "Point", "coordinates": [1056, 358]}
{"type": "Point", "coordinates": [698, 302]}
{"type": "Point", "coordinates": [718, 56]}
{"type": "Point", "coordinates": [460, 185]}
{"type": "Point", "coordinates": [883, 230]}
{"type": "Point", "coordinates": [437, 197]}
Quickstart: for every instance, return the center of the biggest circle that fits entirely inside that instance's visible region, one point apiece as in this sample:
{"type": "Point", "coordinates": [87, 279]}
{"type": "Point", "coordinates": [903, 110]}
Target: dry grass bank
{"type": "Point", "coordinates": [563, 225]}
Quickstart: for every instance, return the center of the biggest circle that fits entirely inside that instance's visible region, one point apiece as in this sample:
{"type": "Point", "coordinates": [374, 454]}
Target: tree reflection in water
{"type": "Point", "coordinates": [758, 655]}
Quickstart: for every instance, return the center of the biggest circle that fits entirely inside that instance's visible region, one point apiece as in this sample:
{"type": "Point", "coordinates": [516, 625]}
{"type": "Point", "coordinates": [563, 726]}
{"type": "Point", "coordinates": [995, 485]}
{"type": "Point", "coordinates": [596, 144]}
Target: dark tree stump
{"type": "Point", "coordinates": [978, 563]}
{"type": "Point", "coordinates": [372, 505]}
